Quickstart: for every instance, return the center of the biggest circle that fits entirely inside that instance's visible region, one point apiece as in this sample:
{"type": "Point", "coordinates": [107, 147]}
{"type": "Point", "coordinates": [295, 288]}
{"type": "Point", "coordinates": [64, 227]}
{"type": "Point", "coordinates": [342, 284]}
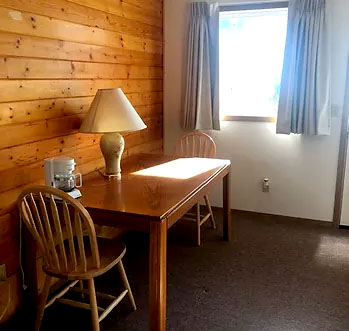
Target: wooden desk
{"type": "Point", "coordinates": [153, 201]}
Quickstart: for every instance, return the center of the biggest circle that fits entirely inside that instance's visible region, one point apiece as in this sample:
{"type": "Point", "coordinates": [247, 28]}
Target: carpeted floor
{"type": "Point", "coordinates": [275, 276]}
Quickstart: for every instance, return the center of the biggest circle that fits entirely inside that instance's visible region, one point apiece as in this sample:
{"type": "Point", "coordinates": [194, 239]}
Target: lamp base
{"type": "Point", "coordinates": [112, 146]}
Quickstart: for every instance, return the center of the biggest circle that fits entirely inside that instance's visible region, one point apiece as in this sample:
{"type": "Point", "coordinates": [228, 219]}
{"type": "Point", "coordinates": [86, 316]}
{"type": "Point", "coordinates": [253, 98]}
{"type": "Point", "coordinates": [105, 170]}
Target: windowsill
{"type": "Point", "coordinates": [250, 119]}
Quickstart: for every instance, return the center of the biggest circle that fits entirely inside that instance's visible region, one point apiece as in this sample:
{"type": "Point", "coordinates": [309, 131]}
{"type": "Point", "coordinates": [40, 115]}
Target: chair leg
{"type": "Point", "coordinates": [213, 223]}
{"type": "Point", "coordinates": [126, 284]}
{"type": "Point", "coordinates": [93, 305]}
{"type": "Point", "coordinates": [42, 302]}
{"type": "Point", "coordinates": [81, 285]}
{"type": "Point", "coordinates": [198, 220]}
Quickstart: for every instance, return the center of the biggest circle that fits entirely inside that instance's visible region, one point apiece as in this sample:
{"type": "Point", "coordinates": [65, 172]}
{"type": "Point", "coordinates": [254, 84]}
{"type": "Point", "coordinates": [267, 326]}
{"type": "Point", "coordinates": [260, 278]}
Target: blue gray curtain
{"type": "Point", "coordinates": [201, 104]}
{"type": "Point", "coordinates": [305, 106]}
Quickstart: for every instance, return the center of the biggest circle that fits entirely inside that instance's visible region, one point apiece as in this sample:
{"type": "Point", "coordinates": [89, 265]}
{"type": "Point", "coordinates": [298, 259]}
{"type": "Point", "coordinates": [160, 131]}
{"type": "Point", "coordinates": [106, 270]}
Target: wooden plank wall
{"type": "Point", "coordinates": [54, 55]}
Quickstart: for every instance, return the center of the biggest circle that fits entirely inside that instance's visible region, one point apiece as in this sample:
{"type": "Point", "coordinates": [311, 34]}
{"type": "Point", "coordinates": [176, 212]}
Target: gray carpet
{"type": "Point", "coordinates": [275, 275]}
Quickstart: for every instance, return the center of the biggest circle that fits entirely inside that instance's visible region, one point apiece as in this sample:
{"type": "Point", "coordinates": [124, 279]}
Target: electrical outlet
{"type": "Point", "coordinates": [266, 185]}
{"type": "Point", "coordinates": [3, 275]}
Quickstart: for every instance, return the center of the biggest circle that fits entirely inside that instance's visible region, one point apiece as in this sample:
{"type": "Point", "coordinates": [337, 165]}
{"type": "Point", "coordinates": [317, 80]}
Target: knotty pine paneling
{"type": "Point", "coordinates": [13, 44]}
{"type": "Point", "coordinates": [69, 11]}
{"type": "Point", "coordinates": [42, 26]}
{"type": "Point", "coordinates": [21, 90]}
{"type": "Point", "coordinates": [140, 12]}
{"type": "Point", "coordinates": [19, 68]}
{"type": "Point", "coordinates": [54, 56]}
{"type": "Point", "coordinates": [30, 111]}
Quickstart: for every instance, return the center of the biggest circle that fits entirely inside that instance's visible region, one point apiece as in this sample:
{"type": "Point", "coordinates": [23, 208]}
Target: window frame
{"type": "Point", "coordinates": [252, 6]}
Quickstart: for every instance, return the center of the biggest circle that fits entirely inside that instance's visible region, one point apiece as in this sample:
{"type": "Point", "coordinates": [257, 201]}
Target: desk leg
{"type": "Point", "coordinates": [226, 207]}
{"type": "Point", "coordinates": [157, 276]}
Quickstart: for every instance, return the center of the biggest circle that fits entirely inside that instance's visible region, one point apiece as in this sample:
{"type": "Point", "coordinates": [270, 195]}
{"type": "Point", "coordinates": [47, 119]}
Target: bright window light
{"type": "Point", "coordinates": [252, 44]}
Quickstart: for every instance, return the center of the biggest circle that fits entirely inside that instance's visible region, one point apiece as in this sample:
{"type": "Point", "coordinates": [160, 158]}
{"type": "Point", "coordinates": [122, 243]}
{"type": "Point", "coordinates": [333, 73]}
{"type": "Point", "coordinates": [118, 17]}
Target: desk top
{"type": "Point", "coordinates": [151, 185]}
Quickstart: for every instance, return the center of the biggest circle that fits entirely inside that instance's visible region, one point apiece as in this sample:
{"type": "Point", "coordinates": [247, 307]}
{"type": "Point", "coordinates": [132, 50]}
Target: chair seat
{"type": "Point", "coordinates": [110, 251]}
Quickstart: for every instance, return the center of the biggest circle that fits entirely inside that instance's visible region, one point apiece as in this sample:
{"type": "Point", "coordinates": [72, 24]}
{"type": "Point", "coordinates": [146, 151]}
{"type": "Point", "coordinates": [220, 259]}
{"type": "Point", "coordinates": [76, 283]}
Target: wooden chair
{"type": "Point", "coordinates": [197, 144]}
{"type": "Point", "coordinates": [65, 233]}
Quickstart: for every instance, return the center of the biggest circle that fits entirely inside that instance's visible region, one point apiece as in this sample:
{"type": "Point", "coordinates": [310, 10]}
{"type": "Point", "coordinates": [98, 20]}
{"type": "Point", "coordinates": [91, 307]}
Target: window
{"type": "Point", "coordinates": [252, 43]}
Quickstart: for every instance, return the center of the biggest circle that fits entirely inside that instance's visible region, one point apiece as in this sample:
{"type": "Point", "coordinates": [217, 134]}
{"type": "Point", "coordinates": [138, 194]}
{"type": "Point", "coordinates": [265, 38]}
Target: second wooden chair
{"type": "Point", "coordinates": [197, 144]}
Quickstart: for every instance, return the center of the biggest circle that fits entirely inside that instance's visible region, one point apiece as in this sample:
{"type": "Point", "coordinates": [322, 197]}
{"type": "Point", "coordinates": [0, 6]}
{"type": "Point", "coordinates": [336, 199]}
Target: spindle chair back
{"type": "Point", "coordinates": [195, 144]}
{"type": "Point", "coordinates": [62, 228]}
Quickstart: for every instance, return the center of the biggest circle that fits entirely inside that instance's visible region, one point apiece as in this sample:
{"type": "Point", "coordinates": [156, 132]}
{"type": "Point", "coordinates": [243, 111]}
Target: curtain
{"type": "Point", "coordinates": [201, 105]}
{"type": "Point", "coordinates": [304, 106]}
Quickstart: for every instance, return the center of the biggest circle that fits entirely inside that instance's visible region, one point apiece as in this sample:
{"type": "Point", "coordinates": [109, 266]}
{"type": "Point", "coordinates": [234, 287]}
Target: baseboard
{"type": "Point", "coordinates": [344, 227]}
{"type": "Point", "coordinates": [278, 218]}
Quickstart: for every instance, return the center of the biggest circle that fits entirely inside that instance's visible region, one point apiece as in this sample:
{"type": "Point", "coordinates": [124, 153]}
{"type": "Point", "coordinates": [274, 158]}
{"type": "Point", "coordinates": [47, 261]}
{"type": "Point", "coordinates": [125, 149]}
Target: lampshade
{"type": "Point", "coordinates": [111, 111]}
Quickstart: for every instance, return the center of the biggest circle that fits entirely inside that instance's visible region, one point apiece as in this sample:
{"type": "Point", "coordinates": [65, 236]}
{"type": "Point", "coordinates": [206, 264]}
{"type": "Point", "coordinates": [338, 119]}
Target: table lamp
{"type": "Point", "coordinates": [111, 113]}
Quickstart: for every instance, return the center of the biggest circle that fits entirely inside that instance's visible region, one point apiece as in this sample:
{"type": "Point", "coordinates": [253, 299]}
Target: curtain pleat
{"type": "Point", "coordinates": [304, 106]}
{"type": "Point", "coordinates": [201, 105]}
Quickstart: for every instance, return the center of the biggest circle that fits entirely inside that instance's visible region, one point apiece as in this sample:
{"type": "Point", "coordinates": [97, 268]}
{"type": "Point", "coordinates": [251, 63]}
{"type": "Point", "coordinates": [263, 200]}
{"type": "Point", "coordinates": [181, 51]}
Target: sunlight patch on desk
{"type": "Point", "coordinates": [181, 168]}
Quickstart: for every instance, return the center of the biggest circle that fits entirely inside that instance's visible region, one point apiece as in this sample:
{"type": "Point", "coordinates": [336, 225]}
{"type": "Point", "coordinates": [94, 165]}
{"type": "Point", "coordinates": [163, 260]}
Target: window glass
{"type": "Point", "coordinates": [252, 46]}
